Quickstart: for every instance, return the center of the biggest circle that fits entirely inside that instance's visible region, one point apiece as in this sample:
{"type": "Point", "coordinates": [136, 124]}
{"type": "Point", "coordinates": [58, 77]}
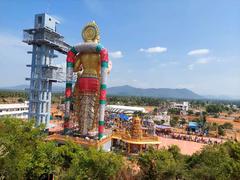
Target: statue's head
{"type": "Point", "coordinates": [90, 32]}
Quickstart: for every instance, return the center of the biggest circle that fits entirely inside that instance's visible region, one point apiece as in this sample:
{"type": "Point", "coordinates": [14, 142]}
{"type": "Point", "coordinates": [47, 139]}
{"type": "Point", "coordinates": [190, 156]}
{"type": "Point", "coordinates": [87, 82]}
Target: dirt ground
{"type": "Point", "coordinates": [186, 147]}
{"type": "Point", "coordinates": [236, 125]}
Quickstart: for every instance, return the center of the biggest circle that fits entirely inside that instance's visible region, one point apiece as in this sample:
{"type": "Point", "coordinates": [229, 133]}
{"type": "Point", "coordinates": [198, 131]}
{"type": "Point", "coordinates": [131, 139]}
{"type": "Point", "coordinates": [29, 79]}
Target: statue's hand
{"type": "Point", "coordinates": [79, 73]}
{"type": "Point", "coordinates": [109, 66]}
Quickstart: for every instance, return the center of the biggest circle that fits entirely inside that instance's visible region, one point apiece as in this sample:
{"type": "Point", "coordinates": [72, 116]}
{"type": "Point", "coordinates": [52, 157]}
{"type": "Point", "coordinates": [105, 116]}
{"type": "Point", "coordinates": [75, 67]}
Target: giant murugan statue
{"type": "Point", "coordinates": [90, 61]}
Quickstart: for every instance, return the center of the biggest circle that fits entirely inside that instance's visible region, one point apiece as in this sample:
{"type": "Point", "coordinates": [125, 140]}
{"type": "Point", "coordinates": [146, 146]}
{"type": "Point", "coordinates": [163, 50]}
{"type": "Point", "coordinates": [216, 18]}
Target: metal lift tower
{"type": "Point", "coordinates": [44, 39]}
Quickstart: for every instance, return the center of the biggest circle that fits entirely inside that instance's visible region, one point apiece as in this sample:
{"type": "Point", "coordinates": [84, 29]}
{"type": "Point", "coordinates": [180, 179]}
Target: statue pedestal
{"type": "Point", "coordinates": [105, 143]}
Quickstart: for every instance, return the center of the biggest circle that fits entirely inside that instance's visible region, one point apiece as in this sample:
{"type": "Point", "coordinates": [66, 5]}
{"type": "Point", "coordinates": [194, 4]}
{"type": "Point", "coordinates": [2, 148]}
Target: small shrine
{"type": "Point", "coordinates": [134, 140]}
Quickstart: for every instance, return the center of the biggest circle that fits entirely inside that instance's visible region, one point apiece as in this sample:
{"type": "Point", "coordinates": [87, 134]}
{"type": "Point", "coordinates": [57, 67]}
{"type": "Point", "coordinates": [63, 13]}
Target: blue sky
{"type": "Point", "coordinates": [174, 44]}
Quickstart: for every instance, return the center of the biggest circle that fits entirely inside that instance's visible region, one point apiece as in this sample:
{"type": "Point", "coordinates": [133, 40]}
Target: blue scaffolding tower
{"type": "Point", "coordinates": [44, 39]}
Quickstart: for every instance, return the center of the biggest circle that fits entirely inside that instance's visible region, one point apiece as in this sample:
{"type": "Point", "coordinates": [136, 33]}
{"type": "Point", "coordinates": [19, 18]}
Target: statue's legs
{"type": "Point", "coordinates": [96, 115]}
{"type": "Point", "coordinates": [86, 102]}
{"type": "Point", "coordinates": [86, 112]}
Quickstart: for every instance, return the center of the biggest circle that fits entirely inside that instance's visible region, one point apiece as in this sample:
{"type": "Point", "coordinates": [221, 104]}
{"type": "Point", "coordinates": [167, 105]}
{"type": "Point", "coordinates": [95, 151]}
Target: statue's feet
{"type": "Point", "coordinates": [93, 132]}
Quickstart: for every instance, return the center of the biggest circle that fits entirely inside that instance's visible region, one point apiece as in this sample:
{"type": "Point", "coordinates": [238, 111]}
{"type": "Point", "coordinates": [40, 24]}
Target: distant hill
{"type": "Point", "coordinates": [153, 92]}
{"type": "Point", "coordinates": [222, 97]}
{"type": "Point", "coordinates": [24, 86]}
{"type": "Point", "coordinates": [15, 88]}
{"type": "Point", "coordinates": [132, 91]}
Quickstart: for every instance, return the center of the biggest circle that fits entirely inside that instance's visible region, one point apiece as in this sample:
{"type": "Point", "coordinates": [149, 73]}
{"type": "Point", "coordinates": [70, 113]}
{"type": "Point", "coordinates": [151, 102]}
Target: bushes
{"type": "Point", "coordinates": [174, 111]}
{"type": "Point", "coordinates": [91, 163]}
{"type": "Point", "coordinates": [228, 125]}
{"type": "Point", "coordinates": [221, 130]}
{"type": "Point", "coordinates": [174, 121]}
{"type": "Point", "coordinates": [159, 164]}
{"type": "Point", "coordinates": [25, 155]}
{"type": "Point", "coordinates": [134, 100]}
{"type": "Point", "coordinates": [213, 162]}
{"type": "Point", "coordinates": [214, 108]}
{"type": "Point", "coordinates": [162, 164]}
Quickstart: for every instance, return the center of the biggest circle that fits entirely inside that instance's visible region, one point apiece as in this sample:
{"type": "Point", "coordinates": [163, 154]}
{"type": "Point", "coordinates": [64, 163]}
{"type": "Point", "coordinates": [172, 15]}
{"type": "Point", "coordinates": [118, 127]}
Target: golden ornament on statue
{"type": "Point", "coordinates": [90, 32]}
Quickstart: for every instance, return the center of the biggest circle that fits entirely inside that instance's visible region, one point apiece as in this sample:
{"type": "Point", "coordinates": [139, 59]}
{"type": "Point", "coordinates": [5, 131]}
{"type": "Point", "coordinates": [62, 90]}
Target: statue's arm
{"type": "Point", "coordinates": [77, 65]}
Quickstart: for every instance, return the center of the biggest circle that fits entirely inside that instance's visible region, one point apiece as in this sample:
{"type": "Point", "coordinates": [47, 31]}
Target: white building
{"type": "Point", "coordinates": [182, 106]}
{"type": "Point", "coordinates": [124, 109]}
{"type": "Point", "coordinates": [18, 110]}
{"type": "Point", "coordinates": [163, 117]}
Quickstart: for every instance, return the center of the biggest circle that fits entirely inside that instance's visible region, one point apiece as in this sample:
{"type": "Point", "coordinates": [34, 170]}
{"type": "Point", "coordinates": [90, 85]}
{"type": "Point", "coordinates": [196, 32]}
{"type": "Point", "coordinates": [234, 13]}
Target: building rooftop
{"type": "Point", "coordinates": [16, 105]}
{"type": "Point", "coordinates": [129, 109]}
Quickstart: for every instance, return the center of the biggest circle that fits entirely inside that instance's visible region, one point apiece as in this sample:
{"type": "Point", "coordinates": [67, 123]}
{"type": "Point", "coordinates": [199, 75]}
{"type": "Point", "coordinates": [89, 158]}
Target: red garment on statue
{"type": "Point", "coordinates": [90, 85]}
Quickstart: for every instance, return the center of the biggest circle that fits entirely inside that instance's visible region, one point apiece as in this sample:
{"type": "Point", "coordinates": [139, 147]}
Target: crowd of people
{"type": "Point", "coordinates": [194, 138]}
{"type": "Point", "coordinates": [113, 122]}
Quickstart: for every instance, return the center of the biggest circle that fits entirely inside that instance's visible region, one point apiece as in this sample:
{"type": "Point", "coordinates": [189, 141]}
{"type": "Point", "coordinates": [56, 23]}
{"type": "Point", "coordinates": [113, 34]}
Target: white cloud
{"type": "Point", "coordinates": [154, 50]}
{"type": "Point", "coordinates": [198, 52]}
{"type": "Point", "coordinates": [116, 54]}
{"type": "Point", "coordinates": [201, 61]}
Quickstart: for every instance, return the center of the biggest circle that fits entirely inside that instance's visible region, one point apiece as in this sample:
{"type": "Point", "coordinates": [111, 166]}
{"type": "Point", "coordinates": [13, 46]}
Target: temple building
{"type": "Point", "coordinates": [134, 140]}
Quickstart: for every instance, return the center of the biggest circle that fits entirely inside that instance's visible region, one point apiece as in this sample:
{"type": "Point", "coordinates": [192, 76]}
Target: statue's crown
{"type": "Point", "coordinates": [90, 32]}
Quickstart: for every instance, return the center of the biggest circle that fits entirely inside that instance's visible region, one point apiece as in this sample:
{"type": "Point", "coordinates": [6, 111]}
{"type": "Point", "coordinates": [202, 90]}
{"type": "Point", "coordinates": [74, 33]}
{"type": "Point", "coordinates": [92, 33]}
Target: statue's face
{"type": "Point", "coordinates": [97, 39]}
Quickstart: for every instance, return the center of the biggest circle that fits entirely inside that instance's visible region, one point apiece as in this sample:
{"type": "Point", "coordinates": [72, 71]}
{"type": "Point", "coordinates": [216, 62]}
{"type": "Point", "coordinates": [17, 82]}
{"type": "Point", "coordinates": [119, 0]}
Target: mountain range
{"type": "Point", "coordinates": [132, 91]}
{"type": "Point", "coordinates": [147, 92]}
{"type": "Point", "coordinates": [154, 92]}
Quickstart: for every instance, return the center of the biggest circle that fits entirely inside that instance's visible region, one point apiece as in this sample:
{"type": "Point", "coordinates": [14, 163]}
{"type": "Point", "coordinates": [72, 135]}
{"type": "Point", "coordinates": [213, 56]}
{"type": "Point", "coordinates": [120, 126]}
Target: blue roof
{"type": "Point", "coordinates": [193, 124]}
{"type": "Point", "coordinates": [123, 117]}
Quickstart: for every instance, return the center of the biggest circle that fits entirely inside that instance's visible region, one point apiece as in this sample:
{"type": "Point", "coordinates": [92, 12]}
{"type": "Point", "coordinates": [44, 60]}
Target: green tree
{"type": "Point", "coordinates": [174, 111]}
{"type": "Point", "coordinates": [227, 125]}
{"type": "Point", "coordinates": [221, 130]}
{"type": "Point", "coordinates": [155, 110]}
{"type": "Point", "coordinates": [190, 112]}
{"type": "Point", "coordinates": [197, 114]}
{"type": "Point", "coordinates": [94, 164]}
{"type": "Point", "coordinates": [215, 162]}
{"type": "Point", "coordinates": [20, 100]}
{"type": "Point", "coordinates": [183, 121]}
{"type": "Point", "coordinates": [212, 126]}
{"type": "Point", "coordinates": [162, 164]}
{"type": "Point", "coordinates": [174, 121]}
{"type": "Point", "coordinates": [138, 113]}
{"type": "Point", "coordinates": [25, 154]}
{"type": "Point", "coordinates": [214, 108]}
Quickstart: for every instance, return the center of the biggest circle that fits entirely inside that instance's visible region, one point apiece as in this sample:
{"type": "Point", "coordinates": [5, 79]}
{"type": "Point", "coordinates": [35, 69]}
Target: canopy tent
{"type": "Point", "coordinates": [123, 117]}
{"type": "Point", "coordinates": [162, 127]}
{"type": "Point", "coordinates": [124, 109]}
{"type": "Point", "coordinates": [193, 125]}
